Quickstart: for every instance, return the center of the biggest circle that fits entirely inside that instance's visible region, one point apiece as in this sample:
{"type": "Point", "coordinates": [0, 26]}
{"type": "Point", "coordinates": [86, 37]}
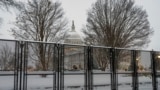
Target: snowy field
{"type": "Point", "coordinates": [76, 82]}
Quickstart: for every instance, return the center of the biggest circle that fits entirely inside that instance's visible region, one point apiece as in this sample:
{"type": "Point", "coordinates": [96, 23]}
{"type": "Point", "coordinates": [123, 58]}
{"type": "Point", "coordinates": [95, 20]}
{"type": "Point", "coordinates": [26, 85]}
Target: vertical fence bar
{"type": "Point", "coordinates": [91, 67]}
{"type": "Point", "coordinates": [14, 88]}
{"type": "Point", "coordinates": [58, 80]}
{"type": "Point", "coordinates": [115, 57]}
{"type": "Point", "coordinates": [21, 57]}
{"type": "Point", "coordinates": [88, 68]}
{"type": "Point", "coordinates": [89, 62]}
{"type": "Point", "coordinates": [132, 68]}
{"type": "Point", "coordinates": [88, 71]}
{"type": "Point", "coordinates": [62, 67]}
{"type": "Point", "coordinates": [25, 62]}
{"type": "Point", "coordinates": [113, 69]}
{"type": "Point", "coordinates": [56, 67]}
{"type": "Point", "coordinates": [154, 73]}
{"type": "Point", "coordinates": [59, 77]}
{"type": "Point", "coordinates": [23, 65]}
{"type": "Point", "coordinates": [85, 65]}
{"type": "Point", "coordinates": [58, 71]}
{"type": "Point", "coordinates": [16, 67]}
{"type": "Point", "coordinates": [135, 70]}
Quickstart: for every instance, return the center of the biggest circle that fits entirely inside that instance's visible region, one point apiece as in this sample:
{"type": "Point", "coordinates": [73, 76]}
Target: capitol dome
{"type": "Point", "coordinates": [73, 37]}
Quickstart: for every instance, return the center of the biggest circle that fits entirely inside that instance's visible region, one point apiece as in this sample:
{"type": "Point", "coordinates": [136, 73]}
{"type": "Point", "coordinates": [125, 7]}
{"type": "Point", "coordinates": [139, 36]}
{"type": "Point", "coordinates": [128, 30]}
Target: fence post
{"type": "Point", "coordinates": [113, 69]}
{"type": "Point", "coordinates": [56, 66]}
{"type": "Point", "coordinates": [61, 67]}
{"type": "Point", "coordinates": [21, 64]}
{"type": "Point", "coordinates": [86, 67]}
{"type": "Point", "coordinates": [88, 72]}
{"type": "Point", "coordinates": [90, 65]}
{"type": "Point", "coordinates": [135, 71]}
{"type": "Point", "coordinates": [154, 73]}
{"type": "Point", "coordinates": [25, 65]}
{"type": "Point", "coordinates": [16, 65]}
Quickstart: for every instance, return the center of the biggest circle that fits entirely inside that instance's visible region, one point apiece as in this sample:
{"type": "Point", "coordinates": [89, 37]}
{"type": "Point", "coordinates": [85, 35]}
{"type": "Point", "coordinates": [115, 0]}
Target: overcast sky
{"type": "Point", "coordinates": [77, 10]}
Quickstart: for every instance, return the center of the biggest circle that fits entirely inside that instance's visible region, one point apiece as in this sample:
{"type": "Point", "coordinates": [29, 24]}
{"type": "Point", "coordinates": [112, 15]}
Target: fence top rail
{"type": "Point", "coordinates": [28, 41]}
{"type": "Point", "coordinates": [82, 45]}
{"type": "Point", "coordinates": [135, 49]}
{"type": "Point", "coordinates": [9, 40]}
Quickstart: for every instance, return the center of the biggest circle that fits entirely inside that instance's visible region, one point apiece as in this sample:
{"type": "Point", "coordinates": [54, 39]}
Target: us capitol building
{"type": "Point", "coordinates": [73, 55]}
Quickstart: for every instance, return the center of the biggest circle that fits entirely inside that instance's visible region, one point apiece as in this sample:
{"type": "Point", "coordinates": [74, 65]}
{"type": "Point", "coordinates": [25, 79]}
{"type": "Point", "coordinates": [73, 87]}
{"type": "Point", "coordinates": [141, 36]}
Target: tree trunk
{"type": "Point", "coordinates": [103, 68]}
{"type": "Point", "coordinates": [44, 68]}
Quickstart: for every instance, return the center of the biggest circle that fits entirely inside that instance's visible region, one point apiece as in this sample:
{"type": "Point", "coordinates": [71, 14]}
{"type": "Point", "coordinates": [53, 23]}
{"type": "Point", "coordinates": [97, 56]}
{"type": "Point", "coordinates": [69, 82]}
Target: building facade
{"type": "Point", "coordinates": [74, 55]}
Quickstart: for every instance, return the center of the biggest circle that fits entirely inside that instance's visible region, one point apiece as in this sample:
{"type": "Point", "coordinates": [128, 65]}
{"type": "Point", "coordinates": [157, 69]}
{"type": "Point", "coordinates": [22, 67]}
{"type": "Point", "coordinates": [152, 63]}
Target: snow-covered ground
{"type": "Point", "coordinates": [76, 82]}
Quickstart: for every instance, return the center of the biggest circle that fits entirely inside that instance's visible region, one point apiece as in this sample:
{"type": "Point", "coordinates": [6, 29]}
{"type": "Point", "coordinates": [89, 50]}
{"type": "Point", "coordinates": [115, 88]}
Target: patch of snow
{"type": "Point", "coordinates": [76, 82]}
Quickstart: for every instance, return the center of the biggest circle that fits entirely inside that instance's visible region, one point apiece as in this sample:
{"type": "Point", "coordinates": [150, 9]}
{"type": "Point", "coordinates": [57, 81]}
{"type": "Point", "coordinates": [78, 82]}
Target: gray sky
{"type": "Point", "coordinates": [77, 10]}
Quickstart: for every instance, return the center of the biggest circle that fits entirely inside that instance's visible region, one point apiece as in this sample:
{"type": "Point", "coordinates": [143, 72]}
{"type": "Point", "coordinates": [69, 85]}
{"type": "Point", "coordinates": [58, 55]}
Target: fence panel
{"type": "Point", "coordinates": [124, 69]}
{"type": "Point", "coordinates": [74, 67]}
{"type": "Point", "coordinates": [101, 68]}
{"type": "Point", "coordinates": [40, 66]}
{"type": "Point", "coordinates": [8, 65]}
{"type": "Point", "coordinates": [29, 65]}
{"type": "Point", "coordinates": [144, 68]}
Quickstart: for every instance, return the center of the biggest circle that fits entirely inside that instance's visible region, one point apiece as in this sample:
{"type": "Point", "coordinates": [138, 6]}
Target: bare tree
{"type": "Point", "coordinates": [102, 57]}
{"type": "Point", "coordinates": [117, 23]}
{"type": "Point", "coordinates": [41, 20]}
{"type": "Point", "coordinates": [5, 4]}
{"type": "Point", "coordinates": [6, 58]}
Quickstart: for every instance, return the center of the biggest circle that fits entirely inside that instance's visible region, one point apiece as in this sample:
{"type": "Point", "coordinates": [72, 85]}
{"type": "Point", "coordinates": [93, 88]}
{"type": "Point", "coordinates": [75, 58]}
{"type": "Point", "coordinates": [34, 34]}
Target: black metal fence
{"type": "Point", "coordinates": [29, 65]}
